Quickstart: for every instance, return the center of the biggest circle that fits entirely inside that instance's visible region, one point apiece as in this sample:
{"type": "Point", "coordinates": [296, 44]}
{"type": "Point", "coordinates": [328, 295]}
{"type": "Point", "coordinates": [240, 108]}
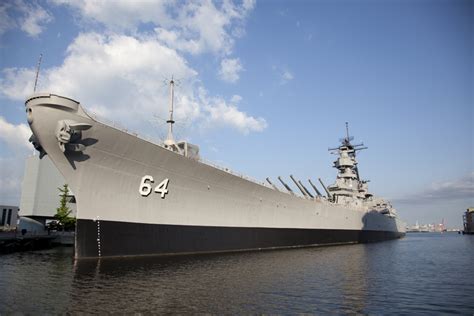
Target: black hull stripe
{"type": "Point", "coordinates": [133, 239]}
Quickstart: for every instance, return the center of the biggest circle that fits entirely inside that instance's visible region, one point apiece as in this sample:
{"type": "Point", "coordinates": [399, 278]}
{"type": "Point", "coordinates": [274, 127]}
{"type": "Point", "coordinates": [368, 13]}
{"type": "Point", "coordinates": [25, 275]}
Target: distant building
{"type": "Point", "coordinates": [8, 216]}
{"type": "Point", "coordinates": [468, 219]}
{"type": "Point", "coordinates": [39, 190]}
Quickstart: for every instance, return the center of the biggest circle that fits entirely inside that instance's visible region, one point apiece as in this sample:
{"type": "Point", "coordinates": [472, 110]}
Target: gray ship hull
{"type": "Point", "coordinates": [204, 208]}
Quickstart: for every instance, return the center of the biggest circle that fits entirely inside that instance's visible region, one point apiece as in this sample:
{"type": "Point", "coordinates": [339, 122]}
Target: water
{"type": "Point", "coordinates": [422, 273]}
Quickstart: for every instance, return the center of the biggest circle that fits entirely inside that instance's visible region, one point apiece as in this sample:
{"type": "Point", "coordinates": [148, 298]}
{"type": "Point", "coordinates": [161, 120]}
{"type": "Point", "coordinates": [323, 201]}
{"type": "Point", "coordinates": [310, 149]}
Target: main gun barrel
{"type": "Point", "coordinates": [325, 189]}
{"type": "Point", "coordinates": [315, 188]}
{"type": "Point", "coordinates": [274, 186]}
{"type": "Point", "coordinates": [286, 185]}
{"type": "Point", "coordinates": [299, 187]}
{"type": "Point", "coordinates": [304, 188]}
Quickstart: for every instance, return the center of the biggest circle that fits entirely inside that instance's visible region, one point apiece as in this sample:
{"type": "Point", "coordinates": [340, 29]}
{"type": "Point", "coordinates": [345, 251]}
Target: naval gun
{"type": "Point", "coordinates": [307, 191]}
{"type": "Point", "coordinates": [286, 186]}
{"type": "Point", "coordinates": [325, 189]}
{"type": "Point", "coordinates": [315, 188]}
{"type": "Point", "coordinates": [274, 186]}
{"type": "Point", "coordinates": [299, 187]}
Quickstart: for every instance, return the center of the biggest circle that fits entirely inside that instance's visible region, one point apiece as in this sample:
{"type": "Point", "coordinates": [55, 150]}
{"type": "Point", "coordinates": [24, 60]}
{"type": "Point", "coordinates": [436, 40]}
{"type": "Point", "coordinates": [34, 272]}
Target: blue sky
{"type": "Point", "coordinates": [264, 87]}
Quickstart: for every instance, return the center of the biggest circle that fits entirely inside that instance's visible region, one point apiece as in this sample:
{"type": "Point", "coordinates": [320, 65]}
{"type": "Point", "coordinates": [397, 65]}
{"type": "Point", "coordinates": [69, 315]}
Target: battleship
{"type": "Point", "coordinates": [138, 197]}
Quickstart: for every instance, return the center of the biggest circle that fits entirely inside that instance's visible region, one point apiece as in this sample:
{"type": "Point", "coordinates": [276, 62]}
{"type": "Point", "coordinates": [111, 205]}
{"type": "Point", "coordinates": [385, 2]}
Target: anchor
{"type": "Point", "coordinates": [69, 133]}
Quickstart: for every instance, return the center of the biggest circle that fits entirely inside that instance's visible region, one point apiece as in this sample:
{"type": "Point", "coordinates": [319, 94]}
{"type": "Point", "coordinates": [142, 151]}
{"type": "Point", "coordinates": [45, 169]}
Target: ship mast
{"type": "Point", "coordinates": [347, 131]}
{"type": "Point", "coordinates": [170, 139]}
{"type": "Point", "coordinates": [182, 147]}
{"type": "Point", "coordinates": [37, 72]}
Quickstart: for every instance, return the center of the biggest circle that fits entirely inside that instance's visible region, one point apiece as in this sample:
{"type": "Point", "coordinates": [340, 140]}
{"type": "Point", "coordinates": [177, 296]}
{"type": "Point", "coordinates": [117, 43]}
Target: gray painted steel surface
{"type": "Point", "coordinates": [104, 166]}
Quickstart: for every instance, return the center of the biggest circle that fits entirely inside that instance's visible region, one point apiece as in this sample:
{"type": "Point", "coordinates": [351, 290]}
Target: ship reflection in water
{"type": "Point", "coordinates": [401, 276]}
{"type": "Point", "coordinates": [275, 281]}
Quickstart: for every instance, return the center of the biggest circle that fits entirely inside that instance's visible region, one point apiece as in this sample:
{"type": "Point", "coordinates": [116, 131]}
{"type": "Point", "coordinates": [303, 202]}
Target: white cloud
{"type": "Point", "coordinates": [17, 83]}
{"type": "Point", "coordinates": [119, 76]}
{"type": "Point", "coordinates": [6, 22]}
{"type": "Point", "coordinates": [283, 74]}
{"type": "Point", "coordinates": [29, 16]}
{"type": "Point", "coordinates": [285, 77]}
{"type": "Point", "coordinates": [230, 69]}
{"type": "Point", "coordinates": [122, 78]}
{"type": "Point", "coordinates": [34, 17]}
{"type": "Point", "coordinates": [236, 99]}
{"type": "Point", "coordinates": [220, 113]}
{"type": "Point", "coordinates": [120, 15]}
{"type": "Point", "coordinates": [194, 27]}
{"type": "Point", "coordinates": [120, 72]}
{"type": "Point", "coordinates": [212, 27]}
{"type": "Point", "coordinates": [15, 136]}
{"type": "Point", "coordinates": [224, 114]}
{"type": "Point", "coordinates": [462, 188]}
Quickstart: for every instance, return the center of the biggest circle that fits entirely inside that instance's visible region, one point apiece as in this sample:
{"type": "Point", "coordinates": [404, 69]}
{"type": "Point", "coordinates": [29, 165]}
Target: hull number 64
{"type": "Point", "coordinates": [146, 186]}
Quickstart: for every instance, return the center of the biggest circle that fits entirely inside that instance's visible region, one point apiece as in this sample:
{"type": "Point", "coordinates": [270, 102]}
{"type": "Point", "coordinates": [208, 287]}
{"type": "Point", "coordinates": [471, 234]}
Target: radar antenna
{"type": "Point", "coordinates": [347, 130]}
{"type": "Point", "coordinates": [37, 72]}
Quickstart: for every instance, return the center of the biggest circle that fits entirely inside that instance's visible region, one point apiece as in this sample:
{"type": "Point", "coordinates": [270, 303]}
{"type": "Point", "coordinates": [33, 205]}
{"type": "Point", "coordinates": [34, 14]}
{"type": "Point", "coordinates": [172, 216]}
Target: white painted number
{"type": "Point", "coordinates": [145, 186]}
{"type": "Point", "coordinates": [162, 188]}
